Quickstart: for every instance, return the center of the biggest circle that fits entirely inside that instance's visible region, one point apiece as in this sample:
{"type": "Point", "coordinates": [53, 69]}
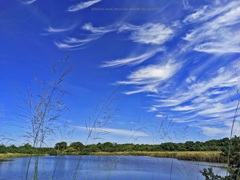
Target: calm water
{"type": "Point", "coordinates": [106, 167]}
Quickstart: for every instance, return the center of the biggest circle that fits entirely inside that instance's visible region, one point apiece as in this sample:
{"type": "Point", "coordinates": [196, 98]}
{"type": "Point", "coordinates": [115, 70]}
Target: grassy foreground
{"type": "Point", "coordinates": [206, 156]}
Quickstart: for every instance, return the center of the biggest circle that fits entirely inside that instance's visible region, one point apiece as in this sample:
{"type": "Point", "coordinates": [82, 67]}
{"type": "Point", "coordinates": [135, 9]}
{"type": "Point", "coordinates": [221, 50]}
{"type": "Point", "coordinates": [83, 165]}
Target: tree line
{"type": "Point", "coordinates": [80, 148]}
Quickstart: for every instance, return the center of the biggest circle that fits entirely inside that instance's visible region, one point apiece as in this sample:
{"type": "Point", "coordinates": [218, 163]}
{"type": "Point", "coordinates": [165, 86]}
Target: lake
{"type": "Point", "coordinates": [106, 167]}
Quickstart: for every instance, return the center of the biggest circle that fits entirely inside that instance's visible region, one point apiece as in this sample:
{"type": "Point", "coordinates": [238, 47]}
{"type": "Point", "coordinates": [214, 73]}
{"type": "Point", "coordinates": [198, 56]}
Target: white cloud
{"type": "Point", "coordinates": [215, 30]}
{"type": "Point", "coordinates": [220, 47]}
{"type": "Point", "coordinates": [99, 30]}
{"type": "Point", "coordinates": [191, 79]}
{"type": "Point", "coordinates": [208, 104]}
{"type": "Point", "coordinates": [213, 131]}
{"type": "Point", "coordinates": [58, 30]}
{"type": "Point", "coordinates": [67, 46]}
{"type": "Point", "coordinates": [214, 12]}
{"type": "Point", "coordinates": [149, 33]}
{"type": "Point", "coordinates": [132, 60]}
{"type": "Point", "coordinates": [82, 5]}
{"type": "Point", "coordinates": [183, 108]}
{"type": "Point", "coordinates": [199, 89]}
{"type": "Point", "coordinates": [195, 16]}
{"type": "Point", "coordinates": [152, 73]}
{"type": "Point", "coordinates": [72, 43]}
{"type": "Point", "coordinates": [123, 132]}
{"type": "Point", "coordinates": [223, 131]}
{"type": "Point", "coordinates": [73, 40]}
{"type": "Point", "coordinates": [29, 2]}
{"type": "Point", "coordinates": [147, 79]}
{"type": "Point", "coordinates": [216, 109]}
{"type": "Point", "coordinates": [186, 4]}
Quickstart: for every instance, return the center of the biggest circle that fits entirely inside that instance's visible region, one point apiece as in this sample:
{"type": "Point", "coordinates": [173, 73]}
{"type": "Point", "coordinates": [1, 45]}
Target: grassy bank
{"type": "Point", "coordinates": [206, 156]}
{"type": "Point", "coordinates": [14, 155]}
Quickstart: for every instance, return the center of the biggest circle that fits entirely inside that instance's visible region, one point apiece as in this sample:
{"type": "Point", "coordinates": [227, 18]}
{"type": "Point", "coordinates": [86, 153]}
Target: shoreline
{"type": "Point", "coordinates": [202, 156]}
{"type": "Point", "coordinates": [7, 156]}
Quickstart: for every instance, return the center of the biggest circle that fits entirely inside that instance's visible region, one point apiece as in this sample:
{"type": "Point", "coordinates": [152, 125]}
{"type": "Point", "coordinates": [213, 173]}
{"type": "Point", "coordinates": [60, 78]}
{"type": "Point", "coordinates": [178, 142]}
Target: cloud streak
{"type": "Point", "coordinates": [122, 132]}
{"type": "Point", "coordinates": [209, 36]}
{"type": "Point", "coordinates": [147, 79]}
{"type": "Point", "coordinates": [72, 43]}
{"type": "Point", "coordinates": [75, 43]}
{"type": "Point", "coordinates": [29, 2]}
{"type": "Point", "coordinates": [52, 30]}
{"type": "Point", "coordinates": [97, 30]}
{"type": "Point", "coordinates": [205, 104]}
{"type": "Point", "coordinates": [155, 34]}
{"type": "Point", "coordinates": [132, 60]}
{"type": "Point", "coordinates": [82, 5]}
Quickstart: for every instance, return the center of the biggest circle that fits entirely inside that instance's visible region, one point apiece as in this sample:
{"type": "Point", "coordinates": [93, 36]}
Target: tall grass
{"type": "Point", "coordinates": [42, 108]}
{"type": "Point", "coordinates": [232, 154]}
{"type": "Point", "coordinates": [231, 135]}
{"type": "Point", "coordinates": [205, 156]}
{"type": "Point", "coordinates": [96, 123]}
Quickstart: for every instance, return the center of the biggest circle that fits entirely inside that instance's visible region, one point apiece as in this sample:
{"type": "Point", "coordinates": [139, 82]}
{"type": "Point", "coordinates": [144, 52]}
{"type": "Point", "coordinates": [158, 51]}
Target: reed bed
{"type": "Point", "coordinates": [12, 155]}
{"type": "Point", "coordinates": [206, 156]}
{"type": "Point", "coordinates": [16, 155]}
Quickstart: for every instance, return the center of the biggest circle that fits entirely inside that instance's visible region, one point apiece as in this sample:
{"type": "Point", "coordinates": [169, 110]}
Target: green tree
{"type": "Point", "coordinates": [3, 149]}
{"type": "Point", "coordinates": [61, 146]}
{"type": "Point", "coordinates": [190, 145]}
{"type": "Point", "coordinates": [12, 149]}
{"type": "Point", "coordinates": [70, 150]}
{"type": "Point", "coordinates": [108, 147]}
{"type": "Point", "coordinates": [77, 146]}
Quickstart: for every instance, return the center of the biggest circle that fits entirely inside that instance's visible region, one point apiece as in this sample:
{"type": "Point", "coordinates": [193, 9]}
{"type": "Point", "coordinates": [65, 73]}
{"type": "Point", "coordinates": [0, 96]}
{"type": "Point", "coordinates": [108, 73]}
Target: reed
{"type": "Point", "coordinates": [17, 155]}
{"type": "Point", "coordinates": [206, 156]}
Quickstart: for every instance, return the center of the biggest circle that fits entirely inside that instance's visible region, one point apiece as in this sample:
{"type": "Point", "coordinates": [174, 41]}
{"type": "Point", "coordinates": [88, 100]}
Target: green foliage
{"type": "Point", "coordinates": [12, 149]}
{"type": "Point", "coordinates": [70, 150]}
{"type": "Point", "coordinates": [232, 154]}
{"type": "Point", "coordinates": [77, 146]}
{"type": "Point", "coordinates": [3, 149]}
{"type": "Point", "coordinates": [209, 174]}
{"type": "Point", "coordinates": [26, 148]}
{"type": "Point", "coordinates": [61, 146]}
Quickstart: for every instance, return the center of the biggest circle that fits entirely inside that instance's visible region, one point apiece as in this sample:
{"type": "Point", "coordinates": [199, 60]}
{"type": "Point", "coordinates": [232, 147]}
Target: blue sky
{"type": "Point", "coordinates": [176, 62]}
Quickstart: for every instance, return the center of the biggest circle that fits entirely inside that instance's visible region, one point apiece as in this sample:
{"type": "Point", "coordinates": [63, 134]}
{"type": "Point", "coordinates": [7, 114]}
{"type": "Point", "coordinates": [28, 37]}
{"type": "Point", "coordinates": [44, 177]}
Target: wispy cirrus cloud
{"type": "Point", "coordinates": [132, 60]}
{"type": "Point", "coordinates": [116, 131]}
{"type": "Point", "coordinates": [150, 33]}
{"type": "Point", "coordinates": [97, 30]}
{"type": "Point", "coordinates": [72, 43]}
{"type": "Point", "coordinates": [75, 43]}
{"type": "Point", "coordinates": [204, 103]}
{"type": "Point", "coordinates": [52, 30]}
{"type": "Point", "coordinates": [147, 79]}
{"type": "Point", "coordinates": [82, 5]}
{"type": "Point", "coordinates": [214, 131]}
{"type": "Point", "coordinates": [223, 79]}
{"type": "Point", "coordinates": [222, 131]}
{"type": "Point", "coordinates": [195, 16]}
{"type": "Point", "coordinates": [29, 2]}
{"type": "Point", "coordinates": [186, 4]}
{"type": "Point", "coordinates": [212, 25]}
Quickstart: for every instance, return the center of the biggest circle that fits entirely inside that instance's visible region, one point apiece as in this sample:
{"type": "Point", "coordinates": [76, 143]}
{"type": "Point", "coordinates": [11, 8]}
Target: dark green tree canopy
{"type": "Point", "coordinates": [77, 145]}
{"type": "Point", "coordinates": [60, 146]}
